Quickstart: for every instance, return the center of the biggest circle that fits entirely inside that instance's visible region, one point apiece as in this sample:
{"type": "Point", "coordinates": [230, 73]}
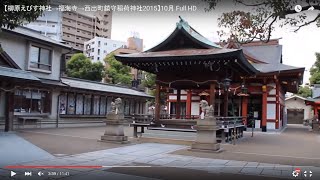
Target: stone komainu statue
{"type": "Point", "coordinates": [206, 109]}
{"type": "Point", "coordinates": [118, 103]}
{"type": "Point", "coordinates": [116, 106]}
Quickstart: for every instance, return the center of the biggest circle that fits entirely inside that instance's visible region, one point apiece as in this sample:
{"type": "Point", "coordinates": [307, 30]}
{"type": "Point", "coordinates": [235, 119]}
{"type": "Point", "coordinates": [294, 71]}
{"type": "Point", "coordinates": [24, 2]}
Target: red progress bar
{"type": "Point", "coordinates": [52, 167]}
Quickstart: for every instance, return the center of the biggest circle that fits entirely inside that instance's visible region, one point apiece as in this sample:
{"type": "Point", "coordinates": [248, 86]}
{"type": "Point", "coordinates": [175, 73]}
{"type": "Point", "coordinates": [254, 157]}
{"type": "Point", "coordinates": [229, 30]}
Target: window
{"type": "Point", "coordinates": [98, 58]}
{"type": "Point", "coordinates": [105, 43]}
{"type": "Point", "coordinates": [98, 51]}
{"type": "Point", "coordinates": [32, 101]}
{"type": "Point", "coordinates": [40, 58]}
{"type": "Point", "coordinates": [92, 50]}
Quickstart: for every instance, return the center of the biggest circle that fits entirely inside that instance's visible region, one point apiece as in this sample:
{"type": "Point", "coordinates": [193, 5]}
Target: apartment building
{"type": "Point", "coordinates": [49, 24]}
{"type": "Point", "coordinates": [71, 27]}
{"type": "Point", "coordinates": [78, 28]}
{"type": "Point", "coordinates": [98, 48]}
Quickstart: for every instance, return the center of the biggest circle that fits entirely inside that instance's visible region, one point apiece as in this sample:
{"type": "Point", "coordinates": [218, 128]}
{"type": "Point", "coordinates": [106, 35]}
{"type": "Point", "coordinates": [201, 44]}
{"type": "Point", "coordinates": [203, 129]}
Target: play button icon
{"type": "Point", "coordinates": [13, 173]}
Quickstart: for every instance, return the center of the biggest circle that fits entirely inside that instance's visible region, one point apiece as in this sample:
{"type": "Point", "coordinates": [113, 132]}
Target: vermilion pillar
{"type": "Point", "coordinates": [189, 100]}
{"type": "Point", "coordinates": [264, 109]}
{"type": "Point", "coordinates": [244, 109]}
{"type": "Point", "coordinates": [277, 104]}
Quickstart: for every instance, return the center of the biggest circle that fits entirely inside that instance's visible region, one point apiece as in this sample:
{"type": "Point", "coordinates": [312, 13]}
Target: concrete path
{"type": "Point", "coordinates": [294, 146]}
{"type": "Point", "coordinates": [155, 155]}
{"type": "Point", "coordinates": [14, 150]}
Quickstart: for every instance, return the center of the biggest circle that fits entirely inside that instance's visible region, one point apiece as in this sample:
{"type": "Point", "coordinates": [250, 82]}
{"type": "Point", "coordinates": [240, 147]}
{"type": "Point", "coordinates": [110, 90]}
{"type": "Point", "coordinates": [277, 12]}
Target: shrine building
{"type": "Point", "coordinates": [247, 81]}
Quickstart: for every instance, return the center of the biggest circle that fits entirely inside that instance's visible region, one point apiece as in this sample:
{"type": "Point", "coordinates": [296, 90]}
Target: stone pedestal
{"type": "Point", "coordinates": [114, 131]}
{"type": "Point", "coordinates": [206, 136]}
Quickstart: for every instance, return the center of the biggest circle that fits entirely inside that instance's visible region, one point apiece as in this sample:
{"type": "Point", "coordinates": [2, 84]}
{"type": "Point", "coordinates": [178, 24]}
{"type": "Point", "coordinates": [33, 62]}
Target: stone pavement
{"type": "Point", "coordinates": [154, 154]}
{"type": "Point", "coordinates": [15, 149]}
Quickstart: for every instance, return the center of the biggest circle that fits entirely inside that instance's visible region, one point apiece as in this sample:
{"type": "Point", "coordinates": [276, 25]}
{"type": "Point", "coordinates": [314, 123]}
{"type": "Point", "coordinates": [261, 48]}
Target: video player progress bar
{"type": "Point", "coordinates": [68, 167]}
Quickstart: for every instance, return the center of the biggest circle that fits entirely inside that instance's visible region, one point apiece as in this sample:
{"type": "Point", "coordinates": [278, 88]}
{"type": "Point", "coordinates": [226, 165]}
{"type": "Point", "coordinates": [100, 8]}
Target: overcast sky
{"type": "Point", "coordinates": [298, 48]}
{"type": "Point", "coordinates": [153, 27]}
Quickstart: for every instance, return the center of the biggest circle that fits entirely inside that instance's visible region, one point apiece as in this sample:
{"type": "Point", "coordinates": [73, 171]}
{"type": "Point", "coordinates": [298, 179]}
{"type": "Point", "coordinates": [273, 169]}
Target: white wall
{"type": "Point", "coordinates": [271, 111]}
{"type": "Point", "coordinates": [297, 103]}
{"type": "Point", "coordinates": [271, 125]}
{"type": "Point", "coordinates": [195, 108]}
{"type": "Point", "coordinates": [18, 49]}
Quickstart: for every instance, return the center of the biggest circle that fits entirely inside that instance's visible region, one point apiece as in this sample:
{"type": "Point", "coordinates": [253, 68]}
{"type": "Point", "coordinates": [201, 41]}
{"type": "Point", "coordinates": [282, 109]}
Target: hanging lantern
{"type": "Point", "coordinates": [244, 91]}
{"type": "Point", "coordinates": [226, 83]}
{"type": "Point", "coordinates": [203, 93]}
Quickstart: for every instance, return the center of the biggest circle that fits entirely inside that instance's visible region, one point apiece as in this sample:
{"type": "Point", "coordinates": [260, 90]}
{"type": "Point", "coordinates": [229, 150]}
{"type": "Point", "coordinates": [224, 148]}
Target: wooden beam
{"type": "Point", "coordinates": [9, 109]}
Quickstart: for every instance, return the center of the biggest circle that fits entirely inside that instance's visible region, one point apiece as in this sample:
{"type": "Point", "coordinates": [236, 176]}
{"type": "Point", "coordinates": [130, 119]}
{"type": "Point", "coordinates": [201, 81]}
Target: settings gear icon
{"type": "Point", "coordinates": [296, 172]}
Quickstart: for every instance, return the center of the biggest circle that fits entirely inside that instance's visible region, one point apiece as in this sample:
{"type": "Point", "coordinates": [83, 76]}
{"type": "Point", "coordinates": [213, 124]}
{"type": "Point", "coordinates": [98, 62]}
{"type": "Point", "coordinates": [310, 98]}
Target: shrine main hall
{"type": "Point", "coordinates": [248, 81]}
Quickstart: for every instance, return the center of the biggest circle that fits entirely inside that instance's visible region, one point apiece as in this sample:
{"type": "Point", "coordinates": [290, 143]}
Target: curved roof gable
{"type": "Point", "coordinates": [184, 37]}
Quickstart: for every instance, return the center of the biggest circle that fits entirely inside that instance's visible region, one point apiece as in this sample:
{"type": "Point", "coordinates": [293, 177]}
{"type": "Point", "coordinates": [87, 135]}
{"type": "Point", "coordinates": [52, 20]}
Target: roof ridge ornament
{"type": "Point", "coordinates": [181, 23]}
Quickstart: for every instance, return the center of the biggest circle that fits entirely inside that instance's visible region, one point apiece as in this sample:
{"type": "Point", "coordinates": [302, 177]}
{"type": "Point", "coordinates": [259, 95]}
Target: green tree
{"type": "Point", "coordinates": [116, 72]}
{"type": "Point", "coordinates": [260, 17]}
{"type": "Point", "coordinates": [149, 81]}
{"type": "Point", "coordinates": [305, 91]}
{"type": "Point", "coordinates": [79, 66]}
{"type": "Point", "coordinates": [315, 71]}
{"type": "Point", "coordinates": [12, 19]}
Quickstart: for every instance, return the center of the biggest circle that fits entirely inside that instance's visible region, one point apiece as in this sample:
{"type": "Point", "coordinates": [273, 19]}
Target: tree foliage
{"type": "Point", "coordinates": [149, 80]}
{"type": "Point", "coordinates": [305, 91]}
{"type": "Point", "coordinates": [117, 73]}
{"type": "Point", "coordinates": [12, 19]}
{"type": "Point", "coordinates": [264, 15]}
{"type": "Point", "coordinates": [315, 71]}
{"type": "Point", "coordinates": [79, 66]}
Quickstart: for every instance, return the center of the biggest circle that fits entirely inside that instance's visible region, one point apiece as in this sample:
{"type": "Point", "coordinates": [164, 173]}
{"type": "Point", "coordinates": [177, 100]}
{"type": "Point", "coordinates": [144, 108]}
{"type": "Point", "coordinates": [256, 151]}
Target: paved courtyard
{"type": "Point", "coordinates": [266, 154]}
